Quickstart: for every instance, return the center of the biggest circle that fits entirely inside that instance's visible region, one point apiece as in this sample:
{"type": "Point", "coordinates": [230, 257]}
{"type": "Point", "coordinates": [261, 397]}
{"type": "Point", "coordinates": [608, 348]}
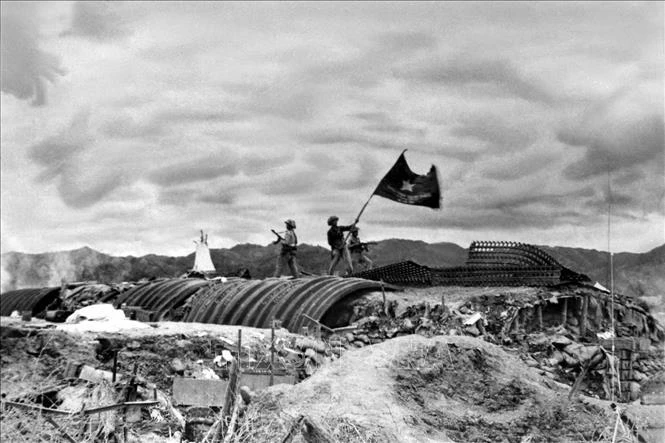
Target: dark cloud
{"type": "Point", "coordinates": [330, 136]}
{"type": "Point", "coordinates": [127, 127]}
{"type": "Point", "coordinates": [25, 68]}
{"type": "Point", "coordinates": [56, 152]}
{"type": "Point", "coordinates": [495, 74]}
{"type": "Point", "coordinates": [180, 197]}
{"type": "Point", "coordinates": [222, 198]}
{"type": "Point", "coordinates": [194, 115]}
{"type": "Point", "coordinates": [253, 165]}
{"type": "Point", "coordinates": [202, 169]}
{"type": "Point", "coordinates": [382, 122]}
{"type": "Point", "coordinates": [77, 193]}
{"type": "Point", "coordinates": [99, 20]}
{"type": "Point", "coordinates": [619, 133]}
{"type": "Point", "coordinates": [322, 160]}
{"type": "Point", "coordinates": [333, 136]}
{"type": "Point", "coordinates": [162, 123]}
{"type": "Point", "coordinates": [399, 43]}
{"type": "Point", "coordinates": [60, 158]}
{"type": "Point", "coordinates": [295, 182]}
{"type": "Point", "coordinates": [497, 133]}
{"type": "Point", "coordinates": [515, 168]}
{"type": "Point", "coordinates": [615, 145]}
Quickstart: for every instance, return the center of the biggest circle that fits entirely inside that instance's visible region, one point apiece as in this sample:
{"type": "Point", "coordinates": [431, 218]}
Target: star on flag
{"type": "Point", "coordinates": [407, 186]}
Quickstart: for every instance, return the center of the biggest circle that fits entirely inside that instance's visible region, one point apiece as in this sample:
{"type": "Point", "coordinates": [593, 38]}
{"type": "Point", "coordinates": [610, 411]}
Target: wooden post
{"type": "Point", "coordinates": [231, 389]}
{"type": "Point", "coordinates": [564, 312]}
{"type": "Point", "coordinates": [383, 293]}
{"type": "Point", "coordinates": [272, 353]}
{"type": "Point", "coordinates": [115, 365]}
{"type": "Point", "coordinates": [585, 313]}
{"type": "Point", "coordinates": [234, 418]}
{"type": "Point", "coordinates": [516, 322]}
{"type": "Point", "coordinates": [293, 430]}
{"type": "Point", "coordinates": [539, 310]}
{"type": "Point", "coordinates": [239, 346]}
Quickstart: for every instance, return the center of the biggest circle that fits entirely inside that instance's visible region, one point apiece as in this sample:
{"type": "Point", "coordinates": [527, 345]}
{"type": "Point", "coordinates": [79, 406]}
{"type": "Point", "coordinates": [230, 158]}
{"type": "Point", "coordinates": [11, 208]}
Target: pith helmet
{"type": "Point", "coordinates": [332, 219]}
{"type": "Point", "coordinates": [291, 223]}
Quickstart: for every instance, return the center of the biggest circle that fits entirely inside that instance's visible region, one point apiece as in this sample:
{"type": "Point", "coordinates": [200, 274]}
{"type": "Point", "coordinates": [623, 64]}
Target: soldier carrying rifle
{"type": "Point", "coordinates": [358, 249]}
{"type": "Point", "coordinates": [289, 247]}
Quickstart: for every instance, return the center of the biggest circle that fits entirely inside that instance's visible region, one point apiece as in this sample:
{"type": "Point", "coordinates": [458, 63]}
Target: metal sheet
{"type": "Point", "coordinates": [34, 300]}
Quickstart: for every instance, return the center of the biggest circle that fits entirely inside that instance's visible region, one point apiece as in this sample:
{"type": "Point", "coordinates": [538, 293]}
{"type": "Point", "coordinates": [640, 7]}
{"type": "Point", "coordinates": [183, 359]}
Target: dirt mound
{"type": "Point", "coordinates": [446, 388]}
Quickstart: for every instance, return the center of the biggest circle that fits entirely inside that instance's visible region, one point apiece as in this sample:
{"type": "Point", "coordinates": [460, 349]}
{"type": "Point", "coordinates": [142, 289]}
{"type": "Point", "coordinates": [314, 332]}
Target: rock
{"type": "Point", "coordinates": [368, 320]}
{"type": "Point", "coordinates": [634, 389]}
{"type": "Point", "coordinates": [309, 367]}
{"type": "Point", "coordinates": [555, 359]}
{"type": "Point", "coordinates": [311, 353]}
{"type": "Point", "coordinates": [358, 344]}
{"type": "Point", "coordinates": [177, 366]}
{"type": "Point", "coordinates": [570, 360]}
{"type": "Point", "coordinates": [349, 337]}
{"type": "Point", "coordinates": [247, 394]}
{"type": "Point", "coordinates": [539, 342]}
{"type": "Point", "coordinates": [363, 338]}
{"type": "Point", "coordinates": [580, 352]}
{"type": "Point", "coordinates": [472, 330]}
{"type": "Point", "coordinates": [572, 321]}
{"type": "Point", "coordinates": [309, 342]}
{"type": "Point", "coordinates": [531, 362]}
{"type": "Point", "coordinates": [407, 325]}
{"type": "Point", "coordinates": [390, 333]}
{"type": "Point", "coordinates": [639, 376]}
{"type": "Point", "coordinates": [133, 344]}
{"type": "Point", "coordinates": [561, 341]}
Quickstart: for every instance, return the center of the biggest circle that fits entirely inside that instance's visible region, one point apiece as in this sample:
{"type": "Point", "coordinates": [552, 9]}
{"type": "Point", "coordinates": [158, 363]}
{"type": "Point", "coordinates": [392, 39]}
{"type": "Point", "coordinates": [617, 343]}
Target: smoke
{"type": "Point", "coordinates": [24, 66]}
{"type": "Point", "coordinates": [6, 283]}
{"type": "Point", "coordinates": [59, 268]}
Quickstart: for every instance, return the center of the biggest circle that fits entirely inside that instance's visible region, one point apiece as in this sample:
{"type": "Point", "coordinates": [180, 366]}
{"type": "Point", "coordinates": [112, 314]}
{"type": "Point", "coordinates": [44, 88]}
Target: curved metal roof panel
{"type": "Point", "coordinates": [161, 296]}
{"type": "Point", "coordinates": [257, 302]}
{"type": "Point", "coordinates": [32, 299]}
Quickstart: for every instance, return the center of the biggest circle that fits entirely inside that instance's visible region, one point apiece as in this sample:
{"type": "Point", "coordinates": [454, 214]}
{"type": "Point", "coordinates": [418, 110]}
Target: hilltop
{"type": "Point", "coordinates": [635, 274]}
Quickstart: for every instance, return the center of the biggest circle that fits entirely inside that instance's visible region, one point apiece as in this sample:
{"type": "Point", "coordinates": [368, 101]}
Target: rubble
{"type": "Point", "coordinates": [136, 371]}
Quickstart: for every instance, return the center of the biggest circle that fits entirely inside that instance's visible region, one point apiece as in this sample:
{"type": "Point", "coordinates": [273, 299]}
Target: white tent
{"type": "Point", "coordinates": [203, 262]}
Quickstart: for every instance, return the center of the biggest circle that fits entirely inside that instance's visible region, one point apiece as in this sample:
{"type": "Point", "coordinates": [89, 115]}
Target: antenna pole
{"type": "Point", "coordinates": [611, 273]}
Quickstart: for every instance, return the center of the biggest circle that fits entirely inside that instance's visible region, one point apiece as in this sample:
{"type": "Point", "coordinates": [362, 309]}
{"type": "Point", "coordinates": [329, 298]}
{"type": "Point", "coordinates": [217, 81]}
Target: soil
{"type": "Point", "coordinates": [410, 388]}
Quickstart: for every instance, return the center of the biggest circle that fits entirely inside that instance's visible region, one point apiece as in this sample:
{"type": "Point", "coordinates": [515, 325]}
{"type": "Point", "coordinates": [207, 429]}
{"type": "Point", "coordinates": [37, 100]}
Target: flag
{"type": "Point", "coordinates": [404, 186]}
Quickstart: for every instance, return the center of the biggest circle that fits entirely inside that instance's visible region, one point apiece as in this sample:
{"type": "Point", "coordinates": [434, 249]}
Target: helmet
{"type": "Point", "coordinates": [291, 223]}
{"type": "Point", "coordinates": [332, 219]}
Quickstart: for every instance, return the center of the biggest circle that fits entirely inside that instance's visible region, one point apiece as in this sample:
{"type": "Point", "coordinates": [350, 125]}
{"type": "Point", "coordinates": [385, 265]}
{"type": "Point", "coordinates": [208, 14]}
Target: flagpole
{"type": "Point", "coordinates": [365, 205]}
{"type": "Point", "coordinates": [370, 197]}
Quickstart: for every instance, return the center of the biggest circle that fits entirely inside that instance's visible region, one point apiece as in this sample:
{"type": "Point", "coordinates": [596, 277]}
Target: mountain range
{"type": "Point", "coordinates": [636, 274]}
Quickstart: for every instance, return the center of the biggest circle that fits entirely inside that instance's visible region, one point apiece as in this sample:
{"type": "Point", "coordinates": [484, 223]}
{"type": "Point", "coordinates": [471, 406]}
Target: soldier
{"type": "Point", "coordinates": [358, 249]}
{"type": "Point", "coordinates": [338, 248]}
{"type": "Point", "coordinates": [289, 248]}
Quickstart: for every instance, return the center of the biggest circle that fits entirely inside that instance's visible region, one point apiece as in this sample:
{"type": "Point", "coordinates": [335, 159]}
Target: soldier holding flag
{"type": "Point", "coordinates": [338, 249]}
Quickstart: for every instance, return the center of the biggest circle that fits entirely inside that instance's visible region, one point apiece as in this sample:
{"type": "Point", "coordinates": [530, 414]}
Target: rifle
{"type": "Point", "coordinates": [362, 246]}
{"type": "Point", "coordinates": [285, 247]}
{"type": "Point", "coordinates": [279, 237]}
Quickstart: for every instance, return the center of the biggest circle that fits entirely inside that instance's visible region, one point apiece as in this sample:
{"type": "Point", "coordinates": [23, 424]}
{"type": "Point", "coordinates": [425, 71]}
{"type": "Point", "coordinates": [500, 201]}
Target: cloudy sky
{"type": "Point", "coordinates": [129, 126]}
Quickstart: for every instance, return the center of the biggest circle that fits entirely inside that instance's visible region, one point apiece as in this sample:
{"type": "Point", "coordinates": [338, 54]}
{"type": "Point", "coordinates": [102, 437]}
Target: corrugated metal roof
{"type": "Point", "coordinates": [35, 300]}
{"type": "Point", "coordinates": [238, 301]}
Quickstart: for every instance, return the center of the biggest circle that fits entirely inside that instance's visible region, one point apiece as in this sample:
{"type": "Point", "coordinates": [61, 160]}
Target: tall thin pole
{"type": "Point", "coordinates": [609, 252]}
